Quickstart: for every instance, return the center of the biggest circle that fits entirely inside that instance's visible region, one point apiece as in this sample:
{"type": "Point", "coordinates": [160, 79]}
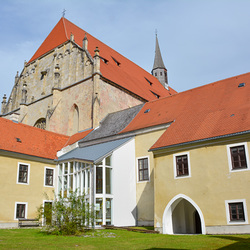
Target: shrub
{"type": "Point", "coordinates": [67, 216]}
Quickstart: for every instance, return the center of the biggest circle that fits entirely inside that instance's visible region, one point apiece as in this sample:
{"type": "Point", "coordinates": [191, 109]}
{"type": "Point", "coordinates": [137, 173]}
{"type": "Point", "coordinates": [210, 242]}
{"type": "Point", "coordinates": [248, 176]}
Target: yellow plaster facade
{"type": "Point", "coordinates": [145, 189]}
{"type": "Point", "coordinates": [31, 194]}
{"type": "Point", "coordinates": [211, 183]}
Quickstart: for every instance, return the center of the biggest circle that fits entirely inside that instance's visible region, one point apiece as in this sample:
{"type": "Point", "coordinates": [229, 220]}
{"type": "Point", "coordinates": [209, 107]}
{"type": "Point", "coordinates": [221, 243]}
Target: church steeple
{"type": "Point", "coordinates": [159, 70]}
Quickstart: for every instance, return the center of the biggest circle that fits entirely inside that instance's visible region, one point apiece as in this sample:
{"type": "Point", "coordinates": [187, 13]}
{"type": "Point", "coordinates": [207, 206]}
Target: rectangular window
{"type": "Point", "coordinates": [65, 186]}
{"type": "Point", "coordinates": [236, 211]}
{"type": "Point", "coordinates": [143, 171]}
{"type": "Point", "coordinates": [238, 157]}
{"type": "Point", "coordinates": [20, 211]}
{"type": "Point", "coordinates": [108, 161]}
{"type": "Point", "coordinates": [65, 168]}
{"type": "Point", "coordinates": [49, 177]}
{"type": "Point", "coordinates": [71, 167]}
{"type": "Point", "coordinates": [70, 183]}
{"type": "Point", "coordinates": [99, 180]}
{"type": "Point", "coordinates": [23, 173]}
{"type": "Point", "coordinates": [181, 165]}
{"type": "Point", "coordinates": [88, 181]}
{"type": "Point", "coordinates": [99, 214]}
{"type": "Point", "coordinates": [60, 185]}
{"type": "Point", "coordinates": [108, 211]}
{"type": "Point", "coordinates": [108, 180]}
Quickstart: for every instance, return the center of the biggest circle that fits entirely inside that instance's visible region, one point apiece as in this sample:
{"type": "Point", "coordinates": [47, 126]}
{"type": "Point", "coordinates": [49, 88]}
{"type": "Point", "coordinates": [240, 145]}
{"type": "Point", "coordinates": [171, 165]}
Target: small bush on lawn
{"type": "Point", "coordinates": [67, 216]}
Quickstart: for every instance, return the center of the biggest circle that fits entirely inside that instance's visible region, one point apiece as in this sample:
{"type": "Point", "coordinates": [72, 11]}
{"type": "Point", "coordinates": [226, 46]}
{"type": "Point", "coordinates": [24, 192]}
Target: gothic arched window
{"type": "Point", "coordinates": [75, 119]}
{"type": "Point", "coordinates": [41, 123]}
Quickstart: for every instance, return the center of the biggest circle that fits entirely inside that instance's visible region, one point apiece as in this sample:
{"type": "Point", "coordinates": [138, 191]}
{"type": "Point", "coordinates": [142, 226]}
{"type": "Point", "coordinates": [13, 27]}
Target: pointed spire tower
{"type": "Point", "coordinates": [159, 70]}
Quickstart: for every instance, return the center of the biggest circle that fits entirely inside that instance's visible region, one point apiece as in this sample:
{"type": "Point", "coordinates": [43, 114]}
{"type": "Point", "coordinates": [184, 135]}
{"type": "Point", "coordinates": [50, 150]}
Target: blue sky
{"type": "Point", "coordinates": [201, 41]}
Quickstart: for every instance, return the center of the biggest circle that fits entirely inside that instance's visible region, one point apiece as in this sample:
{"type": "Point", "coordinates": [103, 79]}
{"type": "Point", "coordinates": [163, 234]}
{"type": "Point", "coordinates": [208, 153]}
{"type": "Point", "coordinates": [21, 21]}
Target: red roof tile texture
{"type": "Point", "coordinates": [78, 136]}
{"type": "Point", "coordinates": [24, 139]}
{"type": "Point", "coordinates": [128, 75]}
{"type": "Point", "coordinates": [217, 109]}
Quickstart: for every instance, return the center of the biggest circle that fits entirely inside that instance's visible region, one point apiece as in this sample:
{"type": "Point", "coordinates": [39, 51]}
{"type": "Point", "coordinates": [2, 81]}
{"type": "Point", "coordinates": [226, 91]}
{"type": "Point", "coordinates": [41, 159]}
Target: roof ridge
{"type": "Point", "coordinates": [65, 29]}
{"type": "Point", "coordinates": [118, 111]}
{"type": "Point", "coordinates": [199, 87]}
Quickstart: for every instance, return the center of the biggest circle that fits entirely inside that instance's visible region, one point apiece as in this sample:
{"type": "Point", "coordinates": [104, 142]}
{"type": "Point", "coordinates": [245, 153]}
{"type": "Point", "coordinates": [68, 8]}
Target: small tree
{"type": "Point", "coordinates": [69, 215]}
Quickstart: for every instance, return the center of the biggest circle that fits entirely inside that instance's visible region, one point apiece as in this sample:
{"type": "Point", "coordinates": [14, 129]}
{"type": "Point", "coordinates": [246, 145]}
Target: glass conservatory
{"type": "Point", "coordinates": [92, 180]}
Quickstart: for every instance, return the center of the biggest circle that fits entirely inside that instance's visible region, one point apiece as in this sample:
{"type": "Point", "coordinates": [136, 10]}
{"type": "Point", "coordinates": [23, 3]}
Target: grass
{"type": "Point", "coordinates": [118, 239]}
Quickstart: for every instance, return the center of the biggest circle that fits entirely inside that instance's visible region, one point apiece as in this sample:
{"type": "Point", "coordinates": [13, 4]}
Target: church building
{"type": "Point", "coordinates": [74, 80]}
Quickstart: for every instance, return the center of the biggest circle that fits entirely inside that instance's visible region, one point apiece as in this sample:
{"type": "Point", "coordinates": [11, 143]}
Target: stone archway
{"type": "Point", "coordinates": [183, 216]}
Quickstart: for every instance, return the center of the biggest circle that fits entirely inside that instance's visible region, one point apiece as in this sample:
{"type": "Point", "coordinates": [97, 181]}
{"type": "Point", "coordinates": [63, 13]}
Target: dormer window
{"type": "Point", "coordinates": [241, 85]}
{"type": "Point", "coordinates": [104, 60]}
{"type": "Point", "coordinates": [150, 83]}
{"type": "Point", "coordinates": [156, 95]}
{"type": "Point", "coordinates": [117, 63]}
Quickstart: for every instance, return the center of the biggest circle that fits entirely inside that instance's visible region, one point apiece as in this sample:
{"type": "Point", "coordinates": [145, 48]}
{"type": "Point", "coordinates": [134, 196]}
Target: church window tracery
{"type": "Point", "coordinates": [41, 123]}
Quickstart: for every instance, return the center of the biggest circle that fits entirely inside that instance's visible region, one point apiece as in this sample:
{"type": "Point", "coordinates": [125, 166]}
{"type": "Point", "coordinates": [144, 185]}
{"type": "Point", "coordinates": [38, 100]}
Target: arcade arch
{"type": "Point", "coordinates": [183, 216]}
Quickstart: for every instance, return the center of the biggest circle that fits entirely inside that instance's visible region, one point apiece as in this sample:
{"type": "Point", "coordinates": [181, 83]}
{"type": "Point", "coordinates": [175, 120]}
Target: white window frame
{"type": "Point", "coordinates": [228, 212]}
{"type": "Point", "coordinates": [137, 168]}
{"type": "Point", "coordinates": [28, 177]}
{"type": "Point", "coordinates": [230, 159]}
{"type": "Point", "coordinates": [45, 177]}
{"type": "Point", "coordinates": [189, 165]}
{"type": "Point", "coordinates": [104, 196]}
{"type": "Point", "coordinates": [26, 209]}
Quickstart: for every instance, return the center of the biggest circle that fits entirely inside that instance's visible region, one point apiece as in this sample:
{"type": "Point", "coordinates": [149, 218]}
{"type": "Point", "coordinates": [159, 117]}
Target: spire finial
{"type": "Point", "coordinates": [63, 13]}
{"type": "Point", "coordinates": [155, 32]}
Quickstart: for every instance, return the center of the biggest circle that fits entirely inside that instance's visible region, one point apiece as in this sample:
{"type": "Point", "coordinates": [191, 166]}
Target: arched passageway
{"type": "Point", "coordinates": [183, 216]}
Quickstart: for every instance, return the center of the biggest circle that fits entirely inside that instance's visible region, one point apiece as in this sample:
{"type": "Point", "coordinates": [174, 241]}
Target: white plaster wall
{"type": "Point", "coordinates": [124, 185]}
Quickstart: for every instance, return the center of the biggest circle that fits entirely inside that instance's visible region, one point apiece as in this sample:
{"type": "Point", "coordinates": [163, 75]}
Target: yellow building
{"type": "Point", "coordinates": [202, 160]}
{"type": "Point", "coordinates": [203, 187]}
{"type": "Point", "coordinates": [27, 170]}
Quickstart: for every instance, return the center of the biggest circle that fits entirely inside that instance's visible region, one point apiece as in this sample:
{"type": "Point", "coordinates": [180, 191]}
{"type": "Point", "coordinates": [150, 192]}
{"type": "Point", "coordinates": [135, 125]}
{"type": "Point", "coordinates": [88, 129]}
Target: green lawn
{"type": "Point", "coordinates": [118, 239]}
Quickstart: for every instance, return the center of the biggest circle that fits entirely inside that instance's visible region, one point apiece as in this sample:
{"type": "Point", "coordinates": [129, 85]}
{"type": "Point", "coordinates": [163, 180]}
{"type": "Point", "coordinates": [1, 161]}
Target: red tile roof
{"type": "Point", "coordinates": [217, 109]}
{"type": "Point", "coordinates": [78, 136]}
{"type": "Point", "coordinates": [127, 75]}
{"type": "Point", "coordinates": [24, 139]}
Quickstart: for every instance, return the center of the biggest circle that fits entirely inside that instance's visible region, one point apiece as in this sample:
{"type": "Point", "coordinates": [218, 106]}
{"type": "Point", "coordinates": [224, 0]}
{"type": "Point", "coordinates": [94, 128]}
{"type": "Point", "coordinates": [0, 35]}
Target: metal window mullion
{"type": "Point", "coordinates": [104, 193]}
